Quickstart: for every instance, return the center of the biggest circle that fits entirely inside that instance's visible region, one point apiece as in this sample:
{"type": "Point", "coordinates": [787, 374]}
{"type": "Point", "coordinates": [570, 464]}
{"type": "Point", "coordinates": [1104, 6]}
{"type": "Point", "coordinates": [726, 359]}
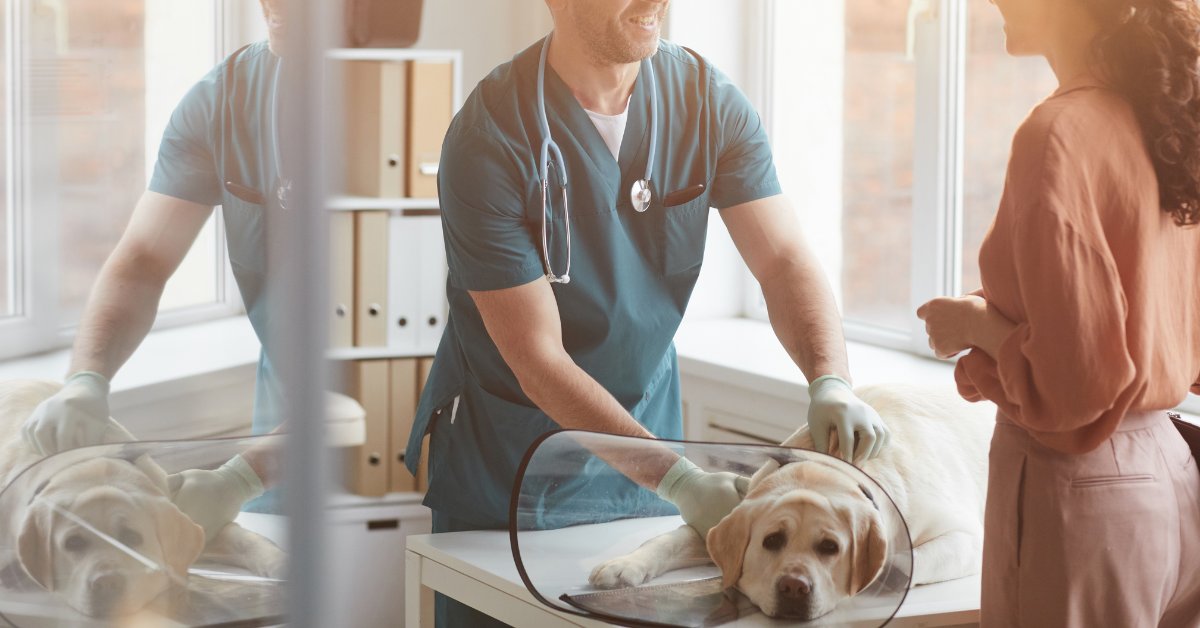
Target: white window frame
{"type": "Point", "coordinates": [33, 245]}
{"type": "Point", "coordinates": [938, 33]}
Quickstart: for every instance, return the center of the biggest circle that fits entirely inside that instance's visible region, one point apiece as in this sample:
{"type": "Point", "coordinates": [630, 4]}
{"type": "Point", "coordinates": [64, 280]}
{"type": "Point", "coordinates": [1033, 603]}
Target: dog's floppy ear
{"type": "Point", "coordinates": [181, 538]}
{"type": "Point", "coordinates": [801, 438]}
{"type": "Point", "coordinates": [157, 475]}
{"type": "Point", "coordinates": [727, 541]}
{"type": "Point", "coordinates": [869, 551]}
{"type": "Point", "coordinates": [35, 545]}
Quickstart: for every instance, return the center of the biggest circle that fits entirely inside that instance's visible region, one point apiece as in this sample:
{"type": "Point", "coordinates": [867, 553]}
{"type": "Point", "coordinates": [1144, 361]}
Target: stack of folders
{"type": "Point", "coordinates": [388, 263]}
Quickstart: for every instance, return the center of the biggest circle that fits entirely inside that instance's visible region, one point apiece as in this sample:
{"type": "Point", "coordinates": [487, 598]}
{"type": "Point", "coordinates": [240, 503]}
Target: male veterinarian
{"type": "Point", "coordinates": [642, 137]}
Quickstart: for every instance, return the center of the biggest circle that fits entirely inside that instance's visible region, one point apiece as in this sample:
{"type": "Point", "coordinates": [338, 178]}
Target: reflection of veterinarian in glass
{"type": "Point", "coordinates": [523, 354]}
{"type": "Point", "coordinates": [1088, 325]}
{"type": "Point", "coordinates": [220, 147]}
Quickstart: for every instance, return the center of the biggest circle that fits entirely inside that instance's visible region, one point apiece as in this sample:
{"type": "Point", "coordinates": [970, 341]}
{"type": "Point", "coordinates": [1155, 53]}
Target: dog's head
{"type": "Point", "coordinates": [806, 537]}
{"type": "Point", "coordinates": [104, 535]}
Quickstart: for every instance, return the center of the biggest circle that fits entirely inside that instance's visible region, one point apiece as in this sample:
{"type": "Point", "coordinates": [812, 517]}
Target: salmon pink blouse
{"type": "Point", "coordinates": [1100, 281]}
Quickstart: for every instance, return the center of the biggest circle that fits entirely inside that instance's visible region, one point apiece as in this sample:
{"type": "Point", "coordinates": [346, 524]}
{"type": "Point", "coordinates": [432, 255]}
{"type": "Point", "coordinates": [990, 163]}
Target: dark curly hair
{"type": "Point", "coordinates": [1148, 50]}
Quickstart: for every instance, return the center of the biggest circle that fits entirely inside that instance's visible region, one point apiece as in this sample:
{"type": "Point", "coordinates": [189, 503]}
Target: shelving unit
{"type": "Point", "coordinates": [388, 278]}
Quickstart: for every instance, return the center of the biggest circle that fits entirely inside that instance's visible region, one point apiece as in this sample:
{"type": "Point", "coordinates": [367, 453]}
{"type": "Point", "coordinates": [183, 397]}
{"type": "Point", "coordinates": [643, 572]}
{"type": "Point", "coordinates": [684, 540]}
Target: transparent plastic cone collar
{"type": "Point", "coordinates": [815, 542]}
{"type": "Point", "coordinates": [91, 536]}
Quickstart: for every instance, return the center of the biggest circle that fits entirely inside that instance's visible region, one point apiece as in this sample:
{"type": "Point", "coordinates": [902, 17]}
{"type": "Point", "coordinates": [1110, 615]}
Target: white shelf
{"type": "Point", "coordinates": [405, 54]}
{"type": "Point", "coordinates": [374, 353]}
{"type": "Point", "coordinates": [391, 54]}
{"type": "Point", "coordinates": [355, 203]}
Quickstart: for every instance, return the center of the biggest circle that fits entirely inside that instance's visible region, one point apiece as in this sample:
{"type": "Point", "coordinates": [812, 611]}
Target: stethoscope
{"type": "Point", "coordinates": [639, 193]}
{"type": "Point", "coordinates": [283, 184]}
{"type": "Point", "coordinates": [284, 187]}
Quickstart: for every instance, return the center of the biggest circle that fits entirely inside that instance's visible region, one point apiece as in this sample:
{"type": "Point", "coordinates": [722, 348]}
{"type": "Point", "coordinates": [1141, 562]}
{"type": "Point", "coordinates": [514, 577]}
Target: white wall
{"type": "Point", "coordinates": [489, 32]}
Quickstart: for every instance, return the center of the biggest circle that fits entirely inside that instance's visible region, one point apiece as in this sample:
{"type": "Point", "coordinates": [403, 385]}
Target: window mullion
{"type": "Point", "coordinates": [937, 171]}
{"type": "Point", "coordinates": [954, 25]}
{"type": "Point", "coordinates": [35, 245]}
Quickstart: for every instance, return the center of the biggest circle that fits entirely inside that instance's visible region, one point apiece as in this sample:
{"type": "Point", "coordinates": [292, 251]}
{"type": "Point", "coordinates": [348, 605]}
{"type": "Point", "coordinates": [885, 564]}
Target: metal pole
{"type": "Point", "coordinates": [297, 288]}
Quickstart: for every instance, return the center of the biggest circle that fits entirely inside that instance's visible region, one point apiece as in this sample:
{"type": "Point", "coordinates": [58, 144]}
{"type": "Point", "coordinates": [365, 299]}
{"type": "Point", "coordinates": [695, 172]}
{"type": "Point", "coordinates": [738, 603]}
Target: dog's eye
{"type": "Point", "coordinates": [827, 547]}
{"type": "Point", "coordinates": [774, 541]}
{"type": "Point", "coordinates": [75, 543]}
{"type": "Point", "coordinates": [129, 538]}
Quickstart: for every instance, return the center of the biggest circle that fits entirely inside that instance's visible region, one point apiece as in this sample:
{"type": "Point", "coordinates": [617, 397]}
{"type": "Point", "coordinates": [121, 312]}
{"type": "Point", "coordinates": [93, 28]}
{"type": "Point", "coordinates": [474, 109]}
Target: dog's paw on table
{"type": "Point", "coordinates": [619, 572]}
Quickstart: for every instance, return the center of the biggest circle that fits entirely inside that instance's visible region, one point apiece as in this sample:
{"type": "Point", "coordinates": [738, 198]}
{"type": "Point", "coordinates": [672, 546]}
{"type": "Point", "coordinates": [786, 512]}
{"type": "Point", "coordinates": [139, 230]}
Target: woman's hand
{"type": "Point", "coordinates": [951, 323]}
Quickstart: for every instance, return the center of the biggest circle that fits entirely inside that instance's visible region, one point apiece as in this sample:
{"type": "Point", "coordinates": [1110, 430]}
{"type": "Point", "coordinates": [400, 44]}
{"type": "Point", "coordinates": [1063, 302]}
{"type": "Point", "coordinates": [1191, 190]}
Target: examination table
{"type": "Point", "coordinates": [477, 568]}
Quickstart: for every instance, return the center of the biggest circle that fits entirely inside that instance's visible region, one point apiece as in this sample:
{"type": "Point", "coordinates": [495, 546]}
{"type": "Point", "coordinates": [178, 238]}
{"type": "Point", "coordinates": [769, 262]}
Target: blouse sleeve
{"type": "Point", "coordinates": [1068, 364]}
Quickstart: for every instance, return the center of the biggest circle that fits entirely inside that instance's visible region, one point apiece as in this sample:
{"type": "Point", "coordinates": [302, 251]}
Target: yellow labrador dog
{"type": "Point", "coordinates": [102, 533]}
{"type": "Point", "coordinates": [807, 535]}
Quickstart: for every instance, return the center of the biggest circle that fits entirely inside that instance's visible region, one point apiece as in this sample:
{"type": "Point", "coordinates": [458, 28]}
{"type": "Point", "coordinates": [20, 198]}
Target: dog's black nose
{"type": "Point", "coordinates": [109, 586]}
{"type": "Point", "coordinates": [794, 586]}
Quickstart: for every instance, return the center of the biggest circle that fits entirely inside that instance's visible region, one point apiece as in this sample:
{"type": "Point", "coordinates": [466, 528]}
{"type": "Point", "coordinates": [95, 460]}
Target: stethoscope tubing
{"type": "Point", "coordinates": [550, 155]}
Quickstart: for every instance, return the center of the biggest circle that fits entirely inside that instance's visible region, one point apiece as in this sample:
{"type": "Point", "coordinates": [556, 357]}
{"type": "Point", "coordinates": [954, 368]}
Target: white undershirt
{"type": "Point", "coordinates": [611, 128]}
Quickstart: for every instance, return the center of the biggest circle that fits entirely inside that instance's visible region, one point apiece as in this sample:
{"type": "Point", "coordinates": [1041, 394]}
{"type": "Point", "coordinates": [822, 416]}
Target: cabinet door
{"type": "Point", "coordinates": [341, 279]}
{"type": "Point", "coordinates": [432, 282]}
{"type": "Point", "coordinates": [402, 406]}
{"type": "Point", "coordinates": [367, 464]}
{"type": "Point", "coordinates": [404, 284]}
{"type": "Point", "coordinates": [431, 106]}
{"type": "Point", "coordinates": [366, 546]}
{"type": "Point", "coordinates": [376, 124]}
{"type": "Point", "coordinates": [371, 278]}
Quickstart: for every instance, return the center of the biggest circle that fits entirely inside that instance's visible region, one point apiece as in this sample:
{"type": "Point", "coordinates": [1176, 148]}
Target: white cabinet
{"type": "Point", "coordinates": [366, 556]}
{"type": "Point", "coordinates": [716, 410]}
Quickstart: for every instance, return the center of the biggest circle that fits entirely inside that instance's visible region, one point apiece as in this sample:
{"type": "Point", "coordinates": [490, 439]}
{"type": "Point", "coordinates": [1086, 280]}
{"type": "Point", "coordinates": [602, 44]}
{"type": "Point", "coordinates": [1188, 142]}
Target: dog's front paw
{"type": "Point", "coordinates": [620, 572]}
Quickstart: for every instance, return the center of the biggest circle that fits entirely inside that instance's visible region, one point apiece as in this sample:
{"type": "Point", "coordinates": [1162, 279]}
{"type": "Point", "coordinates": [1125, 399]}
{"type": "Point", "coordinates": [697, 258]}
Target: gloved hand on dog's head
{"type": "Point", "coordinates": [75, 416]}
{"type": "Point", "coordinates": [703, 498]}
{"type": "Point", "coordinates": [833, 407]}
{"type": "Point", "coordinates": [213, 498]}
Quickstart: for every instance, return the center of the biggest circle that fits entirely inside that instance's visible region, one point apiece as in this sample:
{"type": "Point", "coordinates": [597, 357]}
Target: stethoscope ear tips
{"type": "Point", "coordinates": [565, 279]}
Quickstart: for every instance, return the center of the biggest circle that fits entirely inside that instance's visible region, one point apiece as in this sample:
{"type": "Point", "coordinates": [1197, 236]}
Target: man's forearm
{"type": "Point", "coordinates": [567, 394]}
{"type": "Point", "coordinates": [804, 316]}
{"type": "Point", "coordinates": [119, 314]}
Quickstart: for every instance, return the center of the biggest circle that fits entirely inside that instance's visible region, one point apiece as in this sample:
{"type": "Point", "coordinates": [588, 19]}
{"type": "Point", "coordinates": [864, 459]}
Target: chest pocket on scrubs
{"type": "Point", "coordinates": [685, 228]}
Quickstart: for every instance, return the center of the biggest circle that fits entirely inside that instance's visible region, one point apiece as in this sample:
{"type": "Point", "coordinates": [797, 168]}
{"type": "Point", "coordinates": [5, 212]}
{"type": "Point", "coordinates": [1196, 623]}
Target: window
{"type": "Point", "coordinates": [843, 138]}
{"type": "Point", "coordinates": [891, 122]}
{"type": "Point", "coordinates": [1000, 91]}
{"type": "Point", "coordinates": [95, 83]}
{"type": "Point", "coordinates": [7, 281]}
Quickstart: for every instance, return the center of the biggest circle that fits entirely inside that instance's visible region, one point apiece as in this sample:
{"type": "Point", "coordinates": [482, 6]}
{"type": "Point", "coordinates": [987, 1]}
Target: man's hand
{"type": "Point", "coordinates": [703, 498]}
{"type": "Point", "coordinates": [76, 416]}
{"type": "Point", "coordinates": [214, 498]}
{"type": "Point", "coordinates": [833, 406]}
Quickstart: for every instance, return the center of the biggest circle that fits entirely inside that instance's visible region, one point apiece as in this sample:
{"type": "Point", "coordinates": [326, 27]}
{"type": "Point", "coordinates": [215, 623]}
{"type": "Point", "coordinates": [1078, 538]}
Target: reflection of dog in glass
{"type": "Point", "coordinates": [807, 535]}
{"type": "Point", "coordinates": [102, 533]}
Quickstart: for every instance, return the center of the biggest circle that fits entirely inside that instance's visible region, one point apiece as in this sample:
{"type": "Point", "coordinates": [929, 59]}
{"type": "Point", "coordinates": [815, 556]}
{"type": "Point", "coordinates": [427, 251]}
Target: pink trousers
{"type": "Point", "coordinates": [1107, 538]}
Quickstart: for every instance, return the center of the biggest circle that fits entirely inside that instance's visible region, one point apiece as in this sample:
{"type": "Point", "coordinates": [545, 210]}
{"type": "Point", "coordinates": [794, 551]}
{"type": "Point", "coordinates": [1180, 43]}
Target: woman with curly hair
{"type": "Point", "coordinates": [1088, 324]}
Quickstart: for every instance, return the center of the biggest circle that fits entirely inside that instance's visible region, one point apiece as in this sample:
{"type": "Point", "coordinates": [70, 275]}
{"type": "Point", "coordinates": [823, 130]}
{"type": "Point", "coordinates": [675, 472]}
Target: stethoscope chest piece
{"type": "Point", "coordinates": [639, 195]}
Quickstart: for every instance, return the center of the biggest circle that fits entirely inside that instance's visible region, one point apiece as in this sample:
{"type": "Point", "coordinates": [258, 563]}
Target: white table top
{"type": "Point", "coordinates": [486, 556]}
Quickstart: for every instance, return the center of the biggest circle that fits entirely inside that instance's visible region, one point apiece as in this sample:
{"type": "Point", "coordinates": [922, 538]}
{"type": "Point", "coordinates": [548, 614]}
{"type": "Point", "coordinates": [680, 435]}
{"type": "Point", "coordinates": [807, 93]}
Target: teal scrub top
{"type": "Point", "coordinates": [631, 273]}
{"type": "Point", "coordinates": [222, 131]}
